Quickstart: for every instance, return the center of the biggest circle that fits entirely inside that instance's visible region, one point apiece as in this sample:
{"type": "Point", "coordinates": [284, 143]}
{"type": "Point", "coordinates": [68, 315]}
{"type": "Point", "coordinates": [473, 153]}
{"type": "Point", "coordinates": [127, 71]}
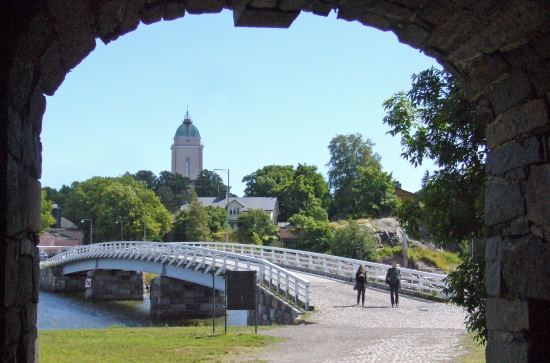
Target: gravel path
{"type": "Point", "coordinates": [417, 331]}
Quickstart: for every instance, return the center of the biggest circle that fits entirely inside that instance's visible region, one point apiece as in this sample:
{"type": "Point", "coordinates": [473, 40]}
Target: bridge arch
{"type": "Point", "coordinates": [498, 49]}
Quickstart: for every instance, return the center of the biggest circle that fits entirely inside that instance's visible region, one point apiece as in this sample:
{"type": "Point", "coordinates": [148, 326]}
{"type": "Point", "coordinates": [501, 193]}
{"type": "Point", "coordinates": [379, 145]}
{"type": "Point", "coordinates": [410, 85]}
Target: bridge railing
{"type": "Point", "coordinates": [423, 282]}
{"type": "Point", "coordinates": [198, 258]}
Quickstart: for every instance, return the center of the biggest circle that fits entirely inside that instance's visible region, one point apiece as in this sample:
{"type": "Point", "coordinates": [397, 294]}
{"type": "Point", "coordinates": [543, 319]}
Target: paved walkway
{"type": "Point", "coordinates": [417, 331]}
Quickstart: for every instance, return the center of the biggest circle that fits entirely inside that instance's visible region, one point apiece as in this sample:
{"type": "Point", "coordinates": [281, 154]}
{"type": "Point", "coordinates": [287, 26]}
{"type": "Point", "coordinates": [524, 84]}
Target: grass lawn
{"type": "Point", "coordinates": [476, 352]}
{"type": "Point", "coordinates": [165, 344]}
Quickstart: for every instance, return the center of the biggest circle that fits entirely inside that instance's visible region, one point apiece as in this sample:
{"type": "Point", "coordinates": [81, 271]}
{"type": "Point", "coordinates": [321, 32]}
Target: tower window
{"type": "Point", "coordinates": [187, 167]}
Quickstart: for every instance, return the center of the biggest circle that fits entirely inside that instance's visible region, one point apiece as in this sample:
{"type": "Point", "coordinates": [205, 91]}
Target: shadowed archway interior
{"type": "Point", "coordinates": [499, 50]}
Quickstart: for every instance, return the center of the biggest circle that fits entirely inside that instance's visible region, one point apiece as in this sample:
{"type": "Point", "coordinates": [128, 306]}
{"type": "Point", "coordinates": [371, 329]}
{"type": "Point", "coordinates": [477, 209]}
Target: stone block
{"type": "Point", "coordinates": [518, 227]}
{"type": "Point", "coordinates": [10, 273]}
{"type": "Point", "coordinates": [514, 155]}
{"type": "Point", "coordinates": [457, 29]}
{"type": "Point", "coordinates": [510, 91]}
{"type": "Point", "coordinates": [289, 5]}
{"type": "Point", "coordinates": [501, 348]}
{"type": "Point", "coordinates": [264, 18]}
{"type": "Point", "coordinates": [537, 196]}
{"type": "Point", "coordinates": [507, 315]}
{"type": "Point", "coordinates": [413, 35]}
{"type": "Point", "coordinates": [34, 206]}
{"type": "Point", "coordinates": [73, 24]}
{"type": "Point", "coordinates": [518, 121]}
{"type": "Point", "coordinates": [524, 269]}
{"type": "Point", "coordinates": [12, 327]}
{"type": "Point", "coordinates": [151, 13]}
{"type": "Point", "coordinates": [33, 41]}
{"type": "Point", "coordinates": [503, 202]}
{"type": "Point", "coordinates": [51, 69]}
{"type": "Point", "coordinates": [18, 194]}
{"type": "Point", "coordinates": [536, 68]}
{"type": "Point", "coordinates": [204, 6]}
{"type": "Point", "coordinates": [493, 255]}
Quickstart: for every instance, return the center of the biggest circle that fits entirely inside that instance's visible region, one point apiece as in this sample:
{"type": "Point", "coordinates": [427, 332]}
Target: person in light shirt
{"type": "Point", "coordinates": [393, 279]}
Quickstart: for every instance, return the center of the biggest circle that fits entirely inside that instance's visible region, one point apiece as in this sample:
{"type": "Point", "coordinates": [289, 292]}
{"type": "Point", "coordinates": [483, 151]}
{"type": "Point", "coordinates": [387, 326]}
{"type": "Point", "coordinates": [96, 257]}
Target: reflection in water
{"type": "Point", "coordinates": [72, 311]}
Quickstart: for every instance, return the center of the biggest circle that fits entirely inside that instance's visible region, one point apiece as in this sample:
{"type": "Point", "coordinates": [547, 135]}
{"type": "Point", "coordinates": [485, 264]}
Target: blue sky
{"type": "Point", "coordinates": [257, 96]}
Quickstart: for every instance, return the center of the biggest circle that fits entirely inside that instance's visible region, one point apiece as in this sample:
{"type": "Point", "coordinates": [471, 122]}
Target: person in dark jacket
{"type": "Point", "coordinates": [393, 278]}
{"type": "Point", "coordinates": [361, 283]}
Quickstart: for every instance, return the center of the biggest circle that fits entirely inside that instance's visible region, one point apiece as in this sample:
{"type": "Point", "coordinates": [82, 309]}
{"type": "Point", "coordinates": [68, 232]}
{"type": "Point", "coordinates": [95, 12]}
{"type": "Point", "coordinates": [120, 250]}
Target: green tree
{"type": "Point", "coordinates": [311, 225]}
{"type": "Point", "coordinates": [354, 241]}
{"type": "Point", "coordinates": [216, 218]}
{"type": "Point", "coordinates": [146, 176]}
{"type": "Point", "coordinates": [197, 224]}
{"type": "Point", "coordinates": [108, 200]}
{"type": "Point", "coordinates": [192, 224]}
{"type": "Point", "coordinates": [58, 197]}
{"type": "Point", "coordinates": [173, 189]}
{"type": "Point", "coordinates": [209, 184]}
{"type": "Point", "coordinates": [466, 286]}
{"type": "Point", "coordinates": [291, 186]}
{"type": "Point", "coordinates": [263, 182]}
{"type": "Point", "coordinates": [256, 227]}
{"type": "Point", "coordinates": [354, 170]}
{"type": "Point", "coordinates": [374, 192]}
{"type": "Point", "coordinates": [46, 217]}
{"type": "Point", "coordinates": [436, 121]}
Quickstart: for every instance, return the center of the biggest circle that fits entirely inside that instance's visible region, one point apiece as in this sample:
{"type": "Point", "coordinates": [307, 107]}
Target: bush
{"type": "Point", "coordinates": [354, 241]}
{"type": "Point", "coordinates": [441, 259]}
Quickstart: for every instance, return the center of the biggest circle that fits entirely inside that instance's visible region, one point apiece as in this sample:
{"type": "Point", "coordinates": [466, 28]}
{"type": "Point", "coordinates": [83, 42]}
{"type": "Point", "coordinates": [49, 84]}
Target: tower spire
{"type": "Point", "coordinates": [187, 118]}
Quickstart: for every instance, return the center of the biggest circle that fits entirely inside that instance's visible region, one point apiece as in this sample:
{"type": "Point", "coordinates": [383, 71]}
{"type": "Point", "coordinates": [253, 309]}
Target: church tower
{"type": "Point", "coordinates": [187, 150]}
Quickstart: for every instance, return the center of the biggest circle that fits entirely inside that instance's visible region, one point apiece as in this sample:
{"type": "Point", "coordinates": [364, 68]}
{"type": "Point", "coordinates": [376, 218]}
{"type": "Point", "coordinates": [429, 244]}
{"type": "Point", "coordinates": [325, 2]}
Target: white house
{"type": "Point", "coordinates": [238, 205]}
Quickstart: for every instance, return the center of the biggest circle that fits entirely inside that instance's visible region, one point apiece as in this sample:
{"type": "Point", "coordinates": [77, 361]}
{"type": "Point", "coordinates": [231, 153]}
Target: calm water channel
{"type": "Point", "coordinates": [72, 311]}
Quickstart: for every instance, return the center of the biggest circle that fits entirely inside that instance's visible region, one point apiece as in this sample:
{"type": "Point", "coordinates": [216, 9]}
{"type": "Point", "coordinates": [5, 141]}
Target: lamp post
{"type": "Point", "coordinates": [227, 207]}
{"type": "Point", "coordinates": [90, 228]}
{"type": "Point", "coordinates": [121, 233]}
{"type": "Point", "coordinates": [144, 213]}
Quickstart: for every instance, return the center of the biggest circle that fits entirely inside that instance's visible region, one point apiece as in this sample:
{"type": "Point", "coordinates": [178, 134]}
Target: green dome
{"type": "Point", "coordinates": [187, 129]}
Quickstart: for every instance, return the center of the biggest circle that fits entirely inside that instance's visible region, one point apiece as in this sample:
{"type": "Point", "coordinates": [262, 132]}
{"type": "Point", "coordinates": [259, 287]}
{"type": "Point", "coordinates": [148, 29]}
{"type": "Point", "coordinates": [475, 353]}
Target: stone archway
{"type": "Point", "coordinates": [500, 50]}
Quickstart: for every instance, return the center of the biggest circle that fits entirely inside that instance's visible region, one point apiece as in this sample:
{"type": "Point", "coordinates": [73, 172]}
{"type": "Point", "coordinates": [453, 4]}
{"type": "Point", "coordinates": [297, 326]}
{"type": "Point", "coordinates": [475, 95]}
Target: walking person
{"type": "Point", "coordinates": [393, 278]}
{"type": "Point", "coordinates": [361, 284]}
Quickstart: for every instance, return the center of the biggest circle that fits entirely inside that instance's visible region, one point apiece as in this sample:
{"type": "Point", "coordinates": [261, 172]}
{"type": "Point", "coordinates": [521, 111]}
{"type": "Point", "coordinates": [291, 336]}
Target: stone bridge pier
{"type": "Point", "coordinates": [178, 299]}
{"type": "Point", "coordinates": [99, 285]}
{"type": "Point", "coordinates": [115, 285]}
{"type": "Point", "coordinates": [52, 279]}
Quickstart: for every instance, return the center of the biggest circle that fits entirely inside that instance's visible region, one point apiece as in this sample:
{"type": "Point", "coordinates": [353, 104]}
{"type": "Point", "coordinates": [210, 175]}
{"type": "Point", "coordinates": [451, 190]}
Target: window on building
{"type": "Point", "coordinates": [187, 167]}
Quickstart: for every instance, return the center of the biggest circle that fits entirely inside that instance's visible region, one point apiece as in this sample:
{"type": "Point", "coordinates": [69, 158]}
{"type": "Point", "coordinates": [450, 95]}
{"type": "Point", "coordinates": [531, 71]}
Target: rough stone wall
{"type": "Point", "coordinates": [499, 49]}
{"type": "Point", "coordinates": [273, 310]}
{"type": "Point", "coordinates": [178, 299]}
{"type": "Point", "coordinates": [52, 279]}
{"type": "Point", "coordinates": [115, 285]}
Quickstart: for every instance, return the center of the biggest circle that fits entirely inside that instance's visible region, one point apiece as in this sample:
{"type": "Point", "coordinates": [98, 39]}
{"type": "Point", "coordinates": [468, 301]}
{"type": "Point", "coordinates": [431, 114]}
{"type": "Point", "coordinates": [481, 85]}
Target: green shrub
{"type": "Point", "coordinates": [441, 259]}
{"type": "Point", "coordinates": [386, 252]}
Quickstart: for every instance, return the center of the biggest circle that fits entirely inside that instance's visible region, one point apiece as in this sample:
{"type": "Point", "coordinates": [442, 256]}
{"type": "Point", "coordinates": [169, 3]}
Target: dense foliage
{"type": "Point", "coordinates": [46, 217]}
{"type": "Point", "coordinates": [209, 184]}
{"type": "Point", "coordinates": [354, 241]}
{"type": "Point", "coordinates": [291, 186]}
{"type": "Point", "coordinates": [256, 227]}
{"type": "Point", "coordinates": [311, 225]}
{"type": "Point", "coordinates": [108, 200]}
{"type": "Point", "coordinates": [359, 186]}
{"type": "Point", "coordinates": [436, 121]}
{"type": "Point", "coordinates": [192, 224]}
{"type": "Point", "coordinates": [467, 288]}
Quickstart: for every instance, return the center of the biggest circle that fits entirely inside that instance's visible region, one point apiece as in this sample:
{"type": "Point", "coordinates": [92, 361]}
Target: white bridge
{"type": "Point", "coordinates": [204, 262]}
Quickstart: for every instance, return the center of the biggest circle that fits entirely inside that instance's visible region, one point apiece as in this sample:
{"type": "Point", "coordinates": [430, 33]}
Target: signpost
{"type": "Point", "coordinates": [240, 293]}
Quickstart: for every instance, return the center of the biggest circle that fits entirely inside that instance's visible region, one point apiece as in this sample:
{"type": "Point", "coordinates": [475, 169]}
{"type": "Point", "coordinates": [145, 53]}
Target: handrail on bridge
{"type": "Point", "coordinates": [423, 282]}
{"type": "Point", "coordinates": [188, 256]}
